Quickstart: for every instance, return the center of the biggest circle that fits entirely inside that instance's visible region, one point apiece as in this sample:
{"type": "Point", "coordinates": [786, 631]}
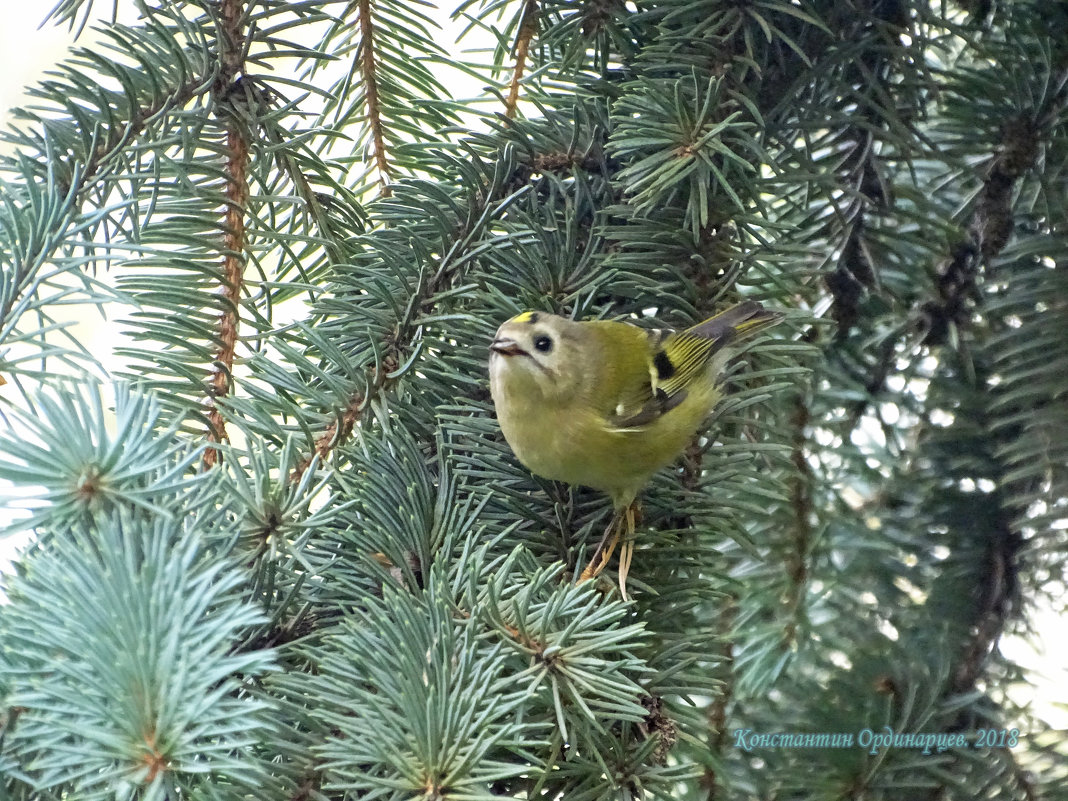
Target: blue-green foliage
{"type": "Point", "coordinates": [117, 652]}
{"type": "Point", "coordinates": [367, 596]}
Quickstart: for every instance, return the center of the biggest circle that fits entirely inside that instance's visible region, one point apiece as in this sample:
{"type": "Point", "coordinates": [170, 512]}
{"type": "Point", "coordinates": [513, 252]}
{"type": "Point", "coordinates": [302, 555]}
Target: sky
{"type": "Point", "coordinates": [26, 50]}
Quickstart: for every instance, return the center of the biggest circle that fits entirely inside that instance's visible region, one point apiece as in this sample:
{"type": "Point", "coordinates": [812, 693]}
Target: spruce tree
{"type": "Point", "coordinates": [283, 552]}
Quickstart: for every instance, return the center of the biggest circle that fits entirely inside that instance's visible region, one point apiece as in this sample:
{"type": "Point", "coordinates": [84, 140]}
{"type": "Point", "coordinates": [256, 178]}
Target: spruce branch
{"type": "Point", "coordinates": [990, 227]}
{"type": "Point", "coordinates": [528, 27]}
{"type": "Point", "coordinates": [338, 432]}
{"type": "Point", "coordinates": [232, 48]}
{"type": "Point", "coordinates": [117, 651]}
{"type": "Point", "coordinates": [369, 73]}
{"type": "Point", "coordinates": [985, 235]}
{"type": "Point", "coordinates": [85, 468]}
{"type": "Point", "coordinates": [399, 348]}
{"type": "Point", "coordinates": [997, 594]}
{"type": "Point", "coordinates": [987, 232]}
{"type": "Point", "coordinates": [82, 151]}
{"type": "Point", "coordinates": [429, 641]}
{"type": "Point", "coordinates": [425, 700]}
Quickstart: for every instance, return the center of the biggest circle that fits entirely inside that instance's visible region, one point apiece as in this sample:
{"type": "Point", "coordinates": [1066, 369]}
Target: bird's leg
{"type": "Point", "coordinates": [605, 548]}
{"type": "Point", "coordinates": [626, 553]}
{"type": "Point", "coordinates": [623, 522]}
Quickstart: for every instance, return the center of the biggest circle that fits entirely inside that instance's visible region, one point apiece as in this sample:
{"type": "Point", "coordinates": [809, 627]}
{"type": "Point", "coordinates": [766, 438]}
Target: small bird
{"type": "Point", "coordinates": [606, 404]}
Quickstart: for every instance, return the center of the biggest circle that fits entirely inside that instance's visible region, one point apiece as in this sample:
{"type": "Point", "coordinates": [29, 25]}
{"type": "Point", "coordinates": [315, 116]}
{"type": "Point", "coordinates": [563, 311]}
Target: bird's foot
{"type": "Point", "coordinates": [605, 548]}
{"type": "Point", "coordinates": [622, 527]}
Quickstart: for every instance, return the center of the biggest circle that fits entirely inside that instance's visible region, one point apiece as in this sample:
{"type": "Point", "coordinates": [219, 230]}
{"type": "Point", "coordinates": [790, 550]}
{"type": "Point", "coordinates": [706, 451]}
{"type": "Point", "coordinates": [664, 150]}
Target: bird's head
{"type": "Point", "coordinates": [536, 354]}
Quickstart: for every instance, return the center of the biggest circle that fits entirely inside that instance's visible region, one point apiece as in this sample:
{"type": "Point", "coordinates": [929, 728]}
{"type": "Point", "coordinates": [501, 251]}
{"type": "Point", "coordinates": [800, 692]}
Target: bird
{"type": "Point", "coordinates": [606, 404]}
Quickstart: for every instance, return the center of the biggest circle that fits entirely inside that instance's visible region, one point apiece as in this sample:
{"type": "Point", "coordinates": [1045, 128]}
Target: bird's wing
{"type": "Point", "coordinates": [676, 359]}
{"type": "Point", "coordinates": [672, 363]}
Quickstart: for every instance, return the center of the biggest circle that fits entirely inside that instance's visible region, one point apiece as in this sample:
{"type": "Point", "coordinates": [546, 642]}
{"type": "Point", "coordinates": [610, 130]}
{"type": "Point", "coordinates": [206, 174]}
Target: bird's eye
{"type": "Point", "coordinates": [543, 343]}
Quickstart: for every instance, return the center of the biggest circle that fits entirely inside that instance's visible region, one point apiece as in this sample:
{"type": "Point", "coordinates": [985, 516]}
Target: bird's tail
{"type": "Point", "coordinates": [740, 321]}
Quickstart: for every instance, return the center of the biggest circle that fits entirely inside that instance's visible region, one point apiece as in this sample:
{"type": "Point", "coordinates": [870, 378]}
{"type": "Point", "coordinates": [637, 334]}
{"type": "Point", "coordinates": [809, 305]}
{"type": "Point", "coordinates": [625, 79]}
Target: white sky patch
{"type": "Point", "coordinates": [26, 50]}
{"type": "Point", "coordinates": [1045, 657]}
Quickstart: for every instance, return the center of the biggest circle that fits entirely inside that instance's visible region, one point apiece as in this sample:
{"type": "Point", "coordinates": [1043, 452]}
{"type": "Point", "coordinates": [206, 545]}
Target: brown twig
{"type": "Point", "coordinates": [380, 381]}
{"type": "Point", "coordinates": [153, 759]}
{"type": "Point", "coordinates": [986, 234]}
{"type": "Point", "coordinates": [368, 68]}
{"type": "Point", "coordinates": [801, 501]}
{"type": "Point", "coordinates": [718, 711]}
{"type": "Point", "coordinates": [339, 430]}
{"type": "Point", "coordinates": [997, 595]}
{"type": "Point", "coordinates": [232, 46]}
{"type": "Point", "coordinates": [528, 26]}
{"type": "Point", "coordinates": [988, 231]}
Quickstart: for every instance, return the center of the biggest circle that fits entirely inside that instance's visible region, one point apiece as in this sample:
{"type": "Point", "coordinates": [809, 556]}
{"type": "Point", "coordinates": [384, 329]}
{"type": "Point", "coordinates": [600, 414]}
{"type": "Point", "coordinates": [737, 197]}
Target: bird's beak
{"type": "Point", "coordinates": [507, 347]}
